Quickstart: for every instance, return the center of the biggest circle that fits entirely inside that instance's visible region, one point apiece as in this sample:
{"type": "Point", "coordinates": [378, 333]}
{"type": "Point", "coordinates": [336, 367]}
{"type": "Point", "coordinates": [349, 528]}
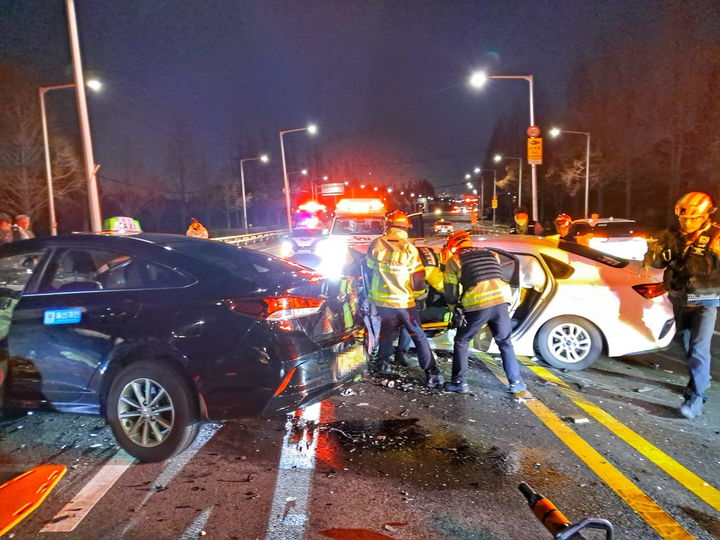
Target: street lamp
{"type": "Point", "coordinates": [555, 132]}
{"type": "Point", "coordinates": [262, 158]}
{"type": "Point", "coordinates": [478, 80]}
{"type": "Point", "coordinates": [84, 121]}
{"type": "Point", "coordinates": [311, 129]}
{"type": "Point", "coordinates": [498, 158]}
{"type": "Point", "coordinates": [93, 84]}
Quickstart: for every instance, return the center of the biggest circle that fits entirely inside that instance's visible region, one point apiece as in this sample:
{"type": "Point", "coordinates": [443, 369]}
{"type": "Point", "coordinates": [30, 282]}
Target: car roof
{"type": "Point", "coordinates": [98, 240]}
{"type": "Point", "coordinates": [604, 220]}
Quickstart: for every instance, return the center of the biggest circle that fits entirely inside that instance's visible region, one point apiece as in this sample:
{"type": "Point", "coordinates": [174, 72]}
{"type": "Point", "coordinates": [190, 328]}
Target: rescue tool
{"type": "Point", "coordinates": [554, 520]}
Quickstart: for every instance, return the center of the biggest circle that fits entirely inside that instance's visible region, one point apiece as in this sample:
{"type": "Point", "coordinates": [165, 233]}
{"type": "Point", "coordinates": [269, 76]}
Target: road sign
{"type": "Point", "coordinates": [534, 150]}
{"type": "Point", "coordinates": [533, 131]}
{"type": "Point", "coordinates": [493, 203]}
{"type": "Point", "coordinates": [332, 189]}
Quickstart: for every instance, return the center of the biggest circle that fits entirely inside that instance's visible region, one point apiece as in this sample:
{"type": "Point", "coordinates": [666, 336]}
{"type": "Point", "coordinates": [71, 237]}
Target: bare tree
{"type": "Point", "coordinates": [23, 182]}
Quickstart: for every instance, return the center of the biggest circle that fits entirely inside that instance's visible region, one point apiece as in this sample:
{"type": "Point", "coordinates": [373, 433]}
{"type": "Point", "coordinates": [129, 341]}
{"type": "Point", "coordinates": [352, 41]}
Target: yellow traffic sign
{"type": "Point", "coordinates": [534, 150]}
{"type": "Point", "coordinates": [493, 203]}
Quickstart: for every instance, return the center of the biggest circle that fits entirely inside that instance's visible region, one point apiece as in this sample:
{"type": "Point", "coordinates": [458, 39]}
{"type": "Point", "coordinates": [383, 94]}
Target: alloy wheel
{"type": "Point", "coordinates": [146, 412]}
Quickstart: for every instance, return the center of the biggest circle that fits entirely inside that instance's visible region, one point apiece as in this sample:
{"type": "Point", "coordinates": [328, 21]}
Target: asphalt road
{"type": "Point", "coordinates": [400, 461]}
{"type": "Point", "coordinates": [395, 460]}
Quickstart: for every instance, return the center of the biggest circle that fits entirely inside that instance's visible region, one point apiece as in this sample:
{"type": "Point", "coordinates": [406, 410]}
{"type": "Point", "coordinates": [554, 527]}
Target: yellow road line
{"type": "Point", "coordinates": [662, 522]}
{"type": "Point", "coordinates": [684, 476]}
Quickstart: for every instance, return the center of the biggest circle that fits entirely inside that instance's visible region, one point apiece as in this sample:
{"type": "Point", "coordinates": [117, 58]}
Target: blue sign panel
{"type": "Point", "coordinates": [62, 316]}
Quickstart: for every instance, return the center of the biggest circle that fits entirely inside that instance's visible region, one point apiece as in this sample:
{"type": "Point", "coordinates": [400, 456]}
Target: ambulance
{"type": "Point", "coordinates": [355, 224]}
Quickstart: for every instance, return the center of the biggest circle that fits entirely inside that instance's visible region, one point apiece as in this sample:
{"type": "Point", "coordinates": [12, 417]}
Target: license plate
{"type": "Point", "coordinates": [350, 360]}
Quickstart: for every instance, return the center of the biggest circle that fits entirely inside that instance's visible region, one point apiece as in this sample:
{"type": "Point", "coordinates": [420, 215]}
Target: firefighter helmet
{"type": "Point", "coordinates": [694, 205]}
{"type": "Point", "coordinates": [457, 238]}
{"type": "Point", "coordinates": [563, 220]}
{"type": "Point", "coordinates": [397, 218]}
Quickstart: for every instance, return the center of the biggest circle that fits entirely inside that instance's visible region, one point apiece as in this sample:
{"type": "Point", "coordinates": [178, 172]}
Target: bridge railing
{"type": "Point", "coordinates": [251, 238]}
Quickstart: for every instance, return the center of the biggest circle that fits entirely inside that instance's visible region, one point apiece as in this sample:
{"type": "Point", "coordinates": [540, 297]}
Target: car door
{"type": "Point", "coordinates": [85, 302]}
{"type": "Point", "coordinates": [16, 271]}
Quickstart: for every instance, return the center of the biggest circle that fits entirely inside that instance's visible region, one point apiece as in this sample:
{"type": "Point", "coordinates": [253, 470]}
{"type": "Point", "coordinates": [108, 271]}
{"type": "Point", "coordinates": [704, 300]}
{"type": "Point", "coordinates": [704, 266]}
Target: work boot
{"type": "Point", "coordinates": [457, 387]}
{"type": "Point", "coordinates": [692, 407]}
{"type": "Point", "coordinates": [516, 387]}
{"type": "Point", "coordinates": [433, 381]}
{"type": "Point", "coordinates": [399, 359]}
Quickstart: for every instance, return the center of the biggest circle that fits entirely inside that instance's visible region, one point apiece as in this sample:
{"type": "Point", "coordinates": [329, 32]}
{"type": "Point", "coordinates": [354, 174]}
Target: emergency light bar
{"type": "Point", "coordinates": [360, 206]}
{"type": "Point", "coordinates": [312, 207]}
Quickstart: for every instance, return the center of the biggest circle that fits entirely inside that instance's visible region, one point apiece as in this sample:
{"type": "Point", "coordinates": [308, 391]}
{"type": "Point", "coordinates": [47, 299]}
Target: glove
{"type": "Point", "coordinates": [420, 304]}
{"type": "Point", "coordinates": [458, 319]}
{"type": "Point", "coordinates": [364, 306]}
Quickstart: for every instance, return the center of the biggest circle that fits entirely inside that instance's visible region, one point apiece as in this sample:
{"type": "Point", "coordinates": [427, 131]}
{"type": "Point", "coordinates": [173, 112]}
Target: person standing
{"type": "Point", "coordinates": [196, 229]}
{"type": "Point", "coordinates": [690, 255]}
{"type": "Point", "coordinates": [523, 225]}
{"type": "Point", "coordinates": [9, 232]}
{"type": "Point", "coordinates": [396, 279]}
{"type": "Point", "coordinates": [23, 221]}
{"type": "Point", "coordinates": [475, 281]}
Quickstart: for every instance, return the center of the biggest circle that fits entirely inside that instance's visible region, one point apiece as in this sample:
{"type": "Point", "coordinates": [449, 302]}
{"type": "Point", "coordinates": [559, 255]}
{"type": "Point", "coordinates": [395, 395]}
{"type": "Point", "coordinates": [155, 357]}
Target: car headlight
{"type": "Point", "coordinates": [286, 248]}
{"type": "Point", "coordinates": [333, 254]}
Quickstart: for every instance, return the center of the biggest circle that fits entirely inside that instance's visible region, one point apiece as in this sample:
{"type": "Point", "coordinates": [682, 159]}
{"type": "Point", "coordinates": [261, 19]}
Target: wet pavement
{"type": "Point", "coordinates": [392, 459]}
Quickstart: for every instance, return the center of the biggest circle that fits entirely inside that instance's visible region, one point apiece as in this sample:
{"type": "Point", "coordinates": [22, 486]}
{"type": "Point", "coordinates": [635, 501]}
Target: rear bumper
{"type": "Point", "coordinates": [317, 376]}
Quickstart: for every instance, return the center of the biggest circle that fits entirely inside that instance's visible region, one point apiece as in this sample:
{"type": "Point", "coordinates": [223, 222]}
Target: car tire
{"type": "Point", "coordinates": [569, 342]}
{"type": "Point", "coordinates": [163, 429]}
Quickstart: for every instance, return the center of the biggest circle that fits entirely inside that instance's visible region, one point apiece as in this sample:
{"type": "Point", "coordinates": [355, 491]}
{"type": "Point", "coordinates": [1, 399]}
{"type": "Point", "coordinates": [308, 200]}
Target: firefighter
{"type": "Point", "coordinates": [523, 225]}
{"type": "Point", "coordinates": [690, 255]}
{"type": "Point", "coordinates": [396, 279]}
{"type": "Point", "coordinates": [474, 279]}
{"type": "Point", "coordinates": [196, 229]}
{"type": "Point", "coordinates": [562, 225]}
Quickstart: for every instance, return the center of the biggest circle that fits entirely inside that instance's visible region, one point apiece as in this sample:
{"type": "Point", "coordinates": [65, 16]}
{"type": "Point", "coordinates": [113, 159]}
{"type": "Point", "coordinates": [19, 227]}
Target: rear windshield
{"type": "Point", "coordinates": [613, 229]}
{"type": "Point", "coordinates": [592, 254]}
{"type": "Point", "coordinates": [236, 260]}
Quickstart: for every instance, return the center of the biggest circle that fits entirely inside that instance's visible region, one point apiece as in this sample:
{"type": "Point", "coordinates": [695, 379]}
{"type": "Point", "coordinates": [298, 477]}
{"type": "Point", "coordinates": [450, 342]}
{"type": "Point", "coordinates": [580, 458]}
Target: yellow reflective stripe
{"type": "Point", "coordinates": [451, 279]}
{"type": "Point", "coordinates": [684, 476]}
{"type": "Point", "coordinates": [662, 522]}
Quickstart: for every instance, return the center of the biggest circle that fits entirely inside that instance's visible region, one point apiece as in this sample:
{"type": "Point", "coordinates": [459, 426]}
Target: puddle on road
{"type": "Point", "coordinates": [709, 523]}
{"type": "Point", "coordinates": [432, 458]}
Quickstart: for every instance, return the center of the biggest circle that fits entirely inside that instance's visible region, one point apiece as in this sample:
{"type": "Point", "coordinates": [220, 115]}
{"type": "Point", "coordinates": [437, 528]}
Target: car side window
{"type": "Point", "coordinates": [82, 270]}
{"type": "Point", "coordinates": [16, 270]}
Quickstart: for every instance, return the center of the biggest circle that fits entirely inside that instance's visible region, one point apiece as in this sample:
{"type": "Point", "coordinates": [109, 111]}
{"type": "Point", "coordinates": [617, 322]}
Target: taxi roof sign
{"type": "Point", "coordinates": [121, 225]}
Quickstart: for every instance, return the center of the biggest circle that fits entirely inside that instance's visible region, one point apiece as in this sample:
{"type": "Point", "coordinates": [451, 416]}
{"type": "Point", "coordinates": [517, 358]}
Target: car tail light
{"type": "Point", "coordinates": [275, 308]}
{"type": "Point", "coordinates": [649, 290]}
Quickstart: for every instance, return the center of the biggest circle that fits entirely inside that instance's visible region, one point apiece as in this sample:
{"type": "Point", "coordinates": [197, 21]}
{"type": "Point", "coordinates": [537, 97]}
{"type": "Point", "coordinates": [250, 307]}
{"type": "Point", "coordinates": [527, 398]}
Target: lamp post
{"type": "Point", "coordinates": [478, 80]}
{"type": "Point", "coordinates": [494, 190]}
{"type": "Point", "coordinates": [312, 129]}
{"type": "Point", "coordinates": [498, 158]}
{"type": "Point", "coordinates": [42, 90]}
{"type": "Point", "coordinates": [262, 158]}
{"type": "Point", "coordinates": [84, 121]}
{"type": "Point", "coordinates": [555, 132]}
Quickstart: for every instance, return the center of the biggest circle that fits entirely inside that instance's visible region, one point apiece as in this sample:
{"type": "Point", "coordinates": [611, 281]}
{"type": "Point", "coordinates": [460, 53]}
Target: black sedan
{"type": "Point", "coordinates": [158, 332]}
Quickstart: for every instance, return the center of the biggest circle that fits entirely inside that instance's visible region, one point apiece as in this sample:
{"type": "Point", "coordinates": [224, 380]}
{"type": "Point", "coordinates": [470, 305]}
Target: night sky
{"type": "Point", "coordinates": [384, 80]}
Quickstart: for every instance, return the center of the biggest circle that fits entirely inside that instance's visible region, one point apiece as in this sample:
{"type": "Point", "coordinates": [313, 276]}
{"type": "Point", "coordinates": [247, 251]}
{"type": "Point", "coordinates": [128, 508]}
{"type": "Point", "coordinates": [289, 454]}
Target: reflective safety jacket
{"type": "Point", "coordinates": [395, 276]}
{"type": "Point", "coordinates": [200, 232]}
{"type": "Point", "coordinates": [691, 262]}
{"type": "Point", "coordinates": [474, 278]}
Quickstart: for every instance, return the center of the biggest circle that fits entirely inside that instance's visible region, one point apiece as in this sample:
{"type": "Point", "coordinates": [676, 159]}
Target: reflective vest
{"type": "Point", "coordinates": [691, 262]}
{"type": "Point", "coordinates": [393, 262]}
{"type": "Point", "coordinates": [473, 278]}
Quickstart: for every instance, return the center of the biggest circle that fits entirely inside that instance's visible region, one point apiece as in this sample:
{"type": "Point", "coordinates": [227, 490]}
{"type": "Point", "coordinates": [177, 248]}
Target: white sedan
{"type": "Point", "coordinates": [572, 303]}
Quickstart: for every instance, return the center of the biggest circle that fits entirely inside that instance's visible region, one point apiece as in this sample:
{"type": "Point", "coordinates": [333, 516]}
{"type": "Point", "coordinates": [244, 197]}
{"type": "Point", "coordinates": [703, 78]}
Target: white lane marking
{"type": "Point", "coordinates": [289, 511]}
{"type": "Point", "coordinates": [172, 468]}
{"type": "Point", "coordinates": [75, 511]}
{"type": "Point", "coordinates": [194, 531]}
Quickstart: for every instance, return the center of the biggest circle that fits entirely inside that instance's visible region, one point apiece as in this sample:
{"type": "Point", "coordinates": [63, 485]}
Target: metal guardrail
{"type": "Point", "coordinates": [252, 238]}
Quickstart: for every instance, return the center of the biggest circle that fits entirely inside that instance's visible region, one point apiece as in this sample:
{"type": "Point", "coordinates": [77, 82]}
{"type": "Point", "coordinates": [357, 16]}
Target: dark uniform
{"type": "Point", "coordinates": [692, 279]}
{"type": "Point", "coordinates": [474, 279]}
